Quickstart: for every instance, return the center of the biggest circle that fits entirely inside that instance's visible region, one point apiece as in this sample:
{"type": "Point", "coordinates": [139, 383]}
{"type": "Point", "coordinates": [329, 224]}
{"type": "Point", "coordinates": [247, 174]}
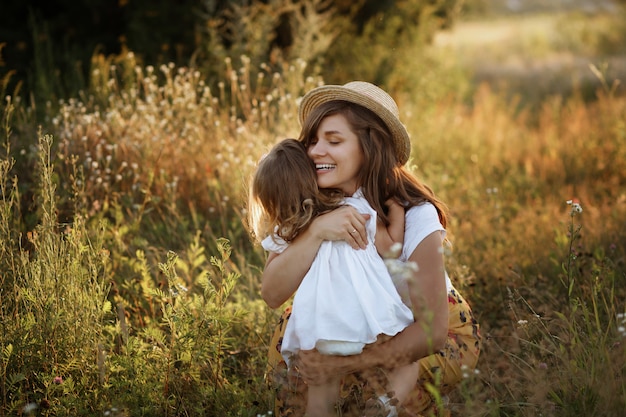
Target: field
{"type": "Point", "coordinates": [130, 287]}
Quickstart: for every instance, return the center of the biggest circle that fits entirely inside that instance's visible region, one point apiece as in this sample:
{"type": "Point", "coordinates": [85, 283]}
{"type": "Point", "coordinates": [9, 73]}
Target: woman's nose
{"type": "Point", "coordinates": [316, 149]}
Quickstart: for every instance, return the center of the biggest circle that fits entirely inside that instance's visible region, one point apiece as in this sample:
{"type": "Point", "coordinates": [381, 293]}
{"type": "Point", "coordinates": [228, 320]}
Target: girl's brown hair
{"type": "Point", "coordinates": [381, 176]}
{"type": "Point", "coordinates": [284, 197]}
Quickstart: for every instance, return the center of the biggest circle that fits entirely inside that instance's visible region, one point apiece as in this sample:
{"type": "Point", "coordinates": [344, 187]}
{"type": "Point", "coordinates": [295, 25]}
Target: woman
{"type": "Point", "coordinates": [355, 138]}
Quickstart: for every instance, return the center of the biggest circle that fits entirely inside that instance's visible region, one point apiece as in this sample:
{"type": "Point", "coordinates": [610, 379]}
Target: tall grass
{"type": "Point", "coordinates": [129, 285]}
{"type": "Point", "coordinates": [97, 319]}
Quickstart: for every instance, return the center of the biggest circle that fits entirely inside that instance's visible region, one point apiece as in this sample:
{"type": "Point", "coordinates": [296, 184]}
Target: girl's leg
{"type": "Point", "coordinates": [400, 382]}
{"type": "Point", "coordinates": [403, 380]}
{"type": "Point", "coordinates": [322, 399]}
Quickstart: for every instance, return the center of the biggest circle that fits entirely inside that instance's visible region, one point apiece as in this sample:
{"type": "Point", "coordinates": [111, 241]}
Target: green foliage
{"type": "Point", "coordinates": [65, 352]}
{"type": "Point", "coordinates": [186, 363]}
{"type": "Point", "coordinates": [376, 48]}
{"type": "Point", "coordinates": [49, 46]}
{"type": "Point", "coordinates": [54, 303]}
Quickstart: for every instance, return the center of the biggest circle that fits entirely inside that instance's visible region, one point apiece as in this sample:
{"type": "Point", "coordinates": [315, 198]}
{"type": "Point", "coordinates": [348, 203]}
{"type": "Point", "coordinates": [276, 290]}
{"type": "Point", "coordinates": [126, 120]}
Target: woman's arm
{"type": "Point", "coordinates": [387, 236]}
{"type": "Point", "coordinates": [425, 336]}
{"type": "Point", "coordinates": [284, 272]}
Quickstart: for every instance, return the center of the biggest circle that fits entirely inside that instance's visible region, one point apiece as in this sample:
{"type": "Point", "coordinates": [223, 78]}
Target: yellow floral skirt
{"type": "Point", "coordinates": [442, 370]}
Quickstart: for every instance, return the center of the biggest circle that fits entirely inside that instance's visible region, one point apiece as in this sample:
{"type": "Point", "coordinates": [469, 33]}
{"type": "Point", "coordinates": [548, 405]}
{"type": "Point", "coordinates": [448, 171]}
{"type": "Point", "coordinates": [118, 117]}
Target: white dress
{"type": "Point", "coordinates": [346, 299]}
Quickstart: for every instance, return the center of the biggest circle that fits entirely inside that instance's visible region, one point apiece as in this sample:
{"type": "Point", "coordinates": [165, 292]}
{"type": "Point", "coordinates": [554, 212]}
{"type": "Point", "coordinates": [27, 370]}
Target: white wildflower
{"type": "Point", "coordinates": [576, 207]}
{"type": "Point", "coordinates": [29, 408]}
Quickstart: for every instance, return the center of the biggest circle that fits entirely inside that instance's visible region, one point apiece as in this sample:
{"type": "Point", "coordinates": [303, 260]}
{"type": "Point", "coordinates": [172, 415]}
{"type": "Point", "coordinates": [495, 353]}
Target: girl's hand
{"type": "Point", "coordinates": [344, 223]}
{"type": "Point", "coordinates": [394, 206]}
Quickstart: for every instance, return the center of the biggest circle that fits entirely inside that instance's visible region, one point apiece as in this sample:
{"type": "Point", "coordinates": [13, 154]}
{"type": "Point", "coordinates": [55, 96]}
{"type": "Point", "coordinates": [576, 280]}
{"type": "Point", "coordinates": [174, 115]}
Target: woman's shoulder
{"type": "Point", "coordinates": [420, 221]}
{"type": "Point", "coordinates": [422, 212]}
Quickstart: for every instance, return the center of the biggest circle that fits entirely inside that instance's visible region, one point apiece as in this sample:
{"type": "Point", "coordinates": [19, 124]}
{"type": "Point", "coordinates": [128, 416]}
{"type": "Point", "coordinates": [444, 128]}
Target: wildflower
{"type": "Point", "coordinates": [543, 365]}
{"type": "Point", "coordinates": [576, 207]}
{"type": "Point", "coordinates": [29, 408]}
{"type": "Point", "coordinates": [400, 271]}
{"type": "Point", "coordinates": [395, 250]}
{"type": "Point", "coordinates": [522, 322]}
{"type": "Point", "coordinates": [57, 380]}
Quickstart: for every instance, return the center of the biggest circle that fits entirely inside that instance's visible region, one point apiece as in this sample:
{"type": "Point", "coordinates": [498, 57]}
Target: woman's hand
{"type": "Point", "coordinates": [344, 223]}
{"type": "Point", "coordinates": [316, 369]}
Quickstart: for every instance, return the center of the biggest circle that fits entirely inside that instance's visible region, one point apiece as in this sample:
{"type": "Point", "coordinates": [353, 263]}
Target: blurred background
{"type": "Point", "coordinates": [47, 46]}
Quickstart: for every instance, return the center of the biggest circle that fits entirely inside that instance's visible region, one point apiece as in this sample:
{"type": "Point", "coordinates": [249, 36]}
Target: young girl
{"type": "Point", "coordinates": [347, 299]}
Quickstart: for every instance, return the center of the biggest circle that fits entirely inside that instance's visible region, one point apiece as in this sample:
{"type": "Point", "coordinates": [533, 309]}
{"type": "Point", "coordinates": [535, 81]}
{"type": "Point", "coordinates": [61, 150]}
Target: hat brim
{"type": "Point", "coordinates": [326, 93]}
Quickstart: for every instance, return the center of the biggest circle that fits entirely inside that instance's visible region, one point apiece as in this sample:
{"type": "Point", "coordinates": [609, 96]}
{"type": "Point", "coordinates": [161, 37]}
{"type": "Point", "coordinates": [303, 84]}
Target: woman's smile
{"type": "Point", "coordinates": [324, 167]}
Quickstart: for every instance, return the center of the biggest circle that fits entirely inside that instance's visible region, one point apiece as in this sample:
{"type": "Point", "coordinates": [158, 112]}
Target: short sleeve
{"type": "Point", "coordinates": [420, 221]}
{"type": "Point", "coordinates": [275, 244]}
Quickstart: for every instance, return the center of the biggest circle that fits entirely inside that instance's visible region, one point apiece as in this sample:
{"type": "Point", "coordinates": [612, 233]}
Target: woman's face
{"type": "Point", "coordinates": [337, 154]}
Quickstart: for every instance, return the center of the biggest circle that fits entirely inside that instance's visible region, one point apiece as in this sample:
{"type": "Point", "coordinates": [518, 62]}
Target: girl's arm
{"type": "Point", "coordinates": [387, 236]}
{"type": "Point", "coordinates": [425, 336]}
{"type": "Point", "coordinates": [284, 272]}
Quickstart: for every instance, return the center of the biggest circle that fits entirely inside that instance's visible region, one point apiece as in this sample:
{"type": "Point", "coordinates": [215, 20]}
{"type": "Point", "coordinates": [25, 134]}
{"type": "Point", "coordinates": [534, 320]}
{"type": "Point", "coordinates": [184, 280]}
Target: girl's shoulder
{"type": "Point", "coordinates": [274, 243]}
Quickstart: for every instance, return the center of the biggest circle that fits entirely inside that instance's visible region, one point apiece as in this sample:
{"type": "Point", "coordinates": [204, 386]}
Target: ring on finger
{"type": "Point", "coordinates": [353, 231]}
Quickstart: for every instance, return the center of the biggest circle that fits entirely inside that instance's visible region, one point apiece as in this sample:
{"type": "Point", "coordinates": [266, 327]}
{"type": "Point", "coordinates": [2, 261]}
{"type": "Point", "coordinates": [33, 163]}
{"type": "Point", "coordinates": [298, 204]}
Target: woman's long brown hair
{"type": "Point", "coordinates": [381, 176]}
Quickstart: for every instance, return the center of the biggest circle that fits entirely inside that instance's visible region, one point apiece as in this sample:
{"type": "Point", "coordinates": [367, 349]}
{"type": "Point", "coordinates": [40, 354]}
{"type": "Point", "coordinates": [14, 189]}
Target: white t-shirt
{"type": "Point", "coordinates": [420, 222]}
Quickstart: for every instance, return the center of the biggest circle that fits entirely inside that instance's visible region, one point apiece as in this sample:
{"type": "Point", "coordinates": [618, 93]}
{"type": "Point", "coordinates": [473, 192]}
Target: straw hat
{"type": "Point", "coordinates": [369, 96]}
